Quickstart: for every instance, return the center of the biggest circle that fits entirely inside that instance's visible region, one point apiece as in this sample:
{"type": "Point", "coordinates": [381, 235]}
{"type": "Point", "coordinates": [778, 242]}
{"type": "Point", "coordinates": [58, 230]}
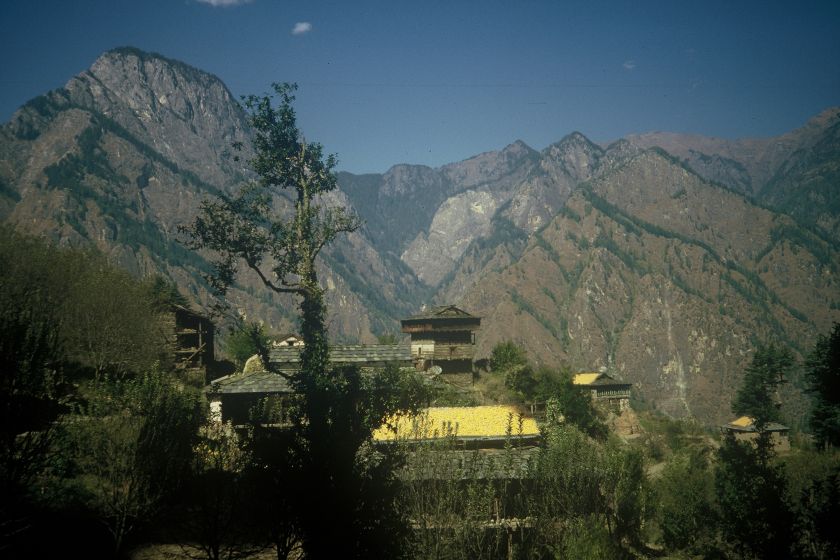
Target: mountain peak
{"type": "Point", "coordinates": [517, 148]}
{"type": "Point", "coordinates": [576, 139]}
{"type": "Point", "coordinates": [816, 125]}
{"type": "Point", "coordinates": [186, 115]}
{"type": "Point", "coordinates": [134, 63]}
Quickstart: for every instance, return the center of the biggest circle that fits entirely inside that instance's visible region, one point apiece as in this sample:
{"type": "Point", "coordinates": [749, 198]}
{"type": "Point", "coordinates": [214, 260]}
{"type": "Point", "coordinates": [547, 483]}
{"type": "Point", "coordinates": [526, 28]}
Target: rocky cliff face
{"type": "Point", "coordinates": [658, 267]}
{"type": "Point", "coordinates": [123, 155]}
{"type": "Point", "coordinates": [666, 280]}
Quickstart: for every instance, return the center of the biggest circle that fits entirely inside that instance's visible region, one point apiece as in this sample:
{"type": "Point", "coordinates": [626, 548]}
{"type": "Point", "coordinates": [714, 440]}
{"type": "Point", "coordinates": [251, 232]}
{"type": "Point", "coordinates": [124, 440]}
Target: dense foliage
{"type": "Point", "coordinates": [245, 341]}
{"type": "Point", "coordinates": [823, 370]}
{"type": "Point", "coordinates": [758, 396]}
{"type": "Point", "coordinates": [99, 456]}
{"type": "Point", "coordinates": [96, 432]}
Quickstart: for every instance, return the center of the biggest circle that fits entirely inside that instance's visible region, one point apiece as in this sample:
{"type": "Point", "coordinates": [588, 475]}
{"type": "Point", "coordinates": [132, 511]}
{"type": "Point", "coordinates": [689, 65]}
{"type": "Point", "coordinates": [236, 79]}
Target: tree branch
{"type": "Point", "coordinates": [271, 285]}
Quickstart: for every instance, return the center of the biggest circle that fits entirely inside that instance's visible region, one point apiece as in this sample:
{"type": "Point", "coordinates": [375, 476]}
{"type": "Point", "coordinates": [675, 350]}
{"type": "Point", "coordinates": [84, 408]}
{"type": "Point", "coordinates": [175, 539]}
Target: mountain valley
{"type": "Point", "coordinates": [664, 258]}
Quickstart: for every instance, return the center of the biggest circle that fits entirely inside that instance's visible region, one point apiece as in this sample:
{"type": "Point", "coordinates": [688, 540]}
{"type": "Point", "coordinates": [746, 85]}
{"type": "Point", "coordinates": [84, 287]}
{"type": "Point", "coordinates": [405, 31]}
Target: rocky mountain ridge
{"type": "Point", "coordinates": [663, 257]}
{"type": "Point", "coordinates": [664, 279]}
{"type": "Point", "coordinates": [124, 154]}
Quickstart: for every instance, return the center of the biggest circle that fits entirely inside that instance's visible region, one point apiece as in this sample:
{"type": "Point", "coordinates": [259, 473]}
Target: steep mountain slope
{"type": "Point", "coordinates": [426, 217]}
{"type": "Point", "coordinates": [663, 278]}
{"type": "Point", "coordinates": [795, 173]}
{"type": "Point", "coordinates": [124, 154]}
{"type": "Point", "coordinates": [807, 185]}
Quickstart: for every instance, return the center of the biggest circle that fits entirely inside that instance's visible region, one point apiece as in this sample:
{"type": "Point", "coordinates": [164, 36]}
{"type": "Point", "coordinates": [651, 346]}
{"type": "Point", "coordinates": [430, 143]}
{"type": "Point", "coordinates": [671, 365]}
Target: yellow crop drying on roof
{"type": "Point", "coordinates": [472, 421]}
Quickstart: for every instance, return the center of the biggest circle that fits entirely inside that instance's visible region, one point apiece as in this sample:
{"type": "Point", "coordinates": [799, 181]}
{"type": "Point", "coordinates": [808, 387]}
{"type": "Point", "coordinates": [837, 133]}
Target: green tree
{"type": "Point", "coordinates": [509, 360]}
{"type": "Point", "coordinates": [108, 320]}
{"type": "Point", "coordinates": [346, 502]}
{"type": "Point", "coordinates": [507, 355]}
{"type": "Point", "coordinates": [245, 341]}
{"type": "Point", "coordinates": [85, 431]}
{"type": "Point", "coordinates": [164, 294]}
{"type": "Point", "coordinates": [686, 498]}
{"type": "Point", "coordinates": [222, 500]}
{"type": "Point", "coordinates": [387, 338]}
{"type": "Point", "coordinates": [750, 488]}
{"type": "Point", "coordinates": [823, 372]}
{"type": "Point", "coordinates": [587, 539]}
{"type": "Point", "coordinates": [813, 483]}
{"type": "Point", "coordinates": [579, 479]}
{"type": "Point", "coordinates": [105, 320]}
{"type": "Point", "coordinates": [758, 396]}
{"type": "Point", "coordinates": [573, 402]}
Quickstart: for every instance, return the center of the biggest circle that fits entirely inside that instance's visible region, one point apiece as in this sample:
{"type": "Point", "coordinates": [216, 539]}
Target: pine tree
{"type": "Point", "coordinates": [823, 372]}
{"type": "Point", "coordinates": [758, 396]}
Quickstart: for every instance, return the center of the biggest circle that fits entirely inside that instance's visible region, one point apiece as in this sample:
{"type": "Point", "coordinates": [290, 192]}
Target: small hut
{"type": "Point", "coordinates": [745, 429]}
{"type": "Point", "coordinates": [191, 340]}
{"type": "Point", "coordinates": [605, 389]}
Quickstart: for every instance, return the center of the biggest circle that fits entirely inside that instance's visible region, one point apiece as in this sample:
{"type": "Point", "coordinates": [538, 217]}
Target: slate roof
{"type": "Point", "coordinates": [256, 382]}
{"type": "Point", "coordinates": [456, 464]}
{"type": "Point", "coordinates": [287, 360]}
{"type": "Point", "coordinates": [358, 354]}
{"type": "Point", "coordinates": [443, 312]}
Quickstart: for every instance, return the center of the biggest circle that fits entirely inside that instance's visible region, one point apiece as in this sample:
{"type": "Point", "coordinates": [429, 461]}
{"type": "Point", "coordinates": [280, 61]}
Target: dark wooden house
{"type": "Point", "coordinates": [191, 339]}
{"type": "Point", "coordinates": [605, 390]}
{"type": "Point", "coordinates": [444, 337]}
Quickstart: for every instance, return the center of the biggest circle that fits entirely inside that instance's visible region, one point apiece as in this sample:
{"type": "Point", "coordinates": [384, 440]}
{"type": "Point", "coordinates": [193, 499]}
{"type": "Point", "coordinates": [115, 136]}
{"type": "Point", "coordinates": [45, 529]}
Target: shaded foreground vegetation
{"type": "Point", "coordinates": [103, 453]}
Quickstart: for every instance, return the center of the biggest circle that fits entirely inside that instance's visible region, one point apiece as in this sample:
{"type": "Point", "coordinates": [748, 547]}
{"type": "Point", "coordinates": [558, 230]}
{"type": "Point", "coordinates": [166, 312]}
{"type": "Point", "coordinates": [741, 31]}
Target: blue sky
{"type": "Point", "coordinates": [435, 82]}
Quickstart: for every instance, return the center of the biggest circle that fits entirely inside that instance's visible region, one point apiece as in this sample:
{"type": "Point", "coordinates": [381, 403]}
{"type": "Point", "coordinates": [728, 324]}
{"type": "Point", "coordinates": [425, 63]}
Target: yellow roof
{"type": "Point", "coordinates": [585, 378]}
{"type": "Point", "coordinates": [742, 422]}
{"type": "Point", "coordinates": [465, 421]}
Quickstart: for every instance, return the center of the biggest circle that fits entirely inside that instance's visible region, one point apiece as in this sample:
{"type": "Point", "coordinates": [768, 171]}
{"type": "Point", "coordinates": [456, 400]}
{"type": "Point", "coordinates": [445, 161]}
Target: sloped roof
{"type": "Point", "coordinates": [287, 360]}
{"type": "Point", "coordinates": [585, 378]}
{"type": "Point", "coordinates": [358, 354]}
{"type": "Point", "coordinates": [461, 422]}
{"type": "Point", "coordinates": [742, 422]}
{"type": "Point", "coordinates": [747, 424]}
{"type": "Point", "coordinates": [256, 382]}
{"type": "Point", "coordinates": [175, 307]}
{"type": "Point", "coordinates": [597, 380]}
{"type": "Point", "coordinates": [443, 312]}
{"type": "Point", "coordinates": [456, 464]}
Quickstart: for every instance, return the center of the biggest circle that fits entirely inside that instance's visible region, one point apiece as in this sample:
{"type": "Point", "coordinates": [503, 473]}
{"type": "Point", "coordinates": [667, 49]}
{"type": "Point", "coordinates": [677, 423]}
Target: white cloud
{"type": "Point", "coordinates": [301, 27]}
{"type": "Point", "coordinates": [224, 3]}
{"type": "Point", "coordinates": [629, 64]}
